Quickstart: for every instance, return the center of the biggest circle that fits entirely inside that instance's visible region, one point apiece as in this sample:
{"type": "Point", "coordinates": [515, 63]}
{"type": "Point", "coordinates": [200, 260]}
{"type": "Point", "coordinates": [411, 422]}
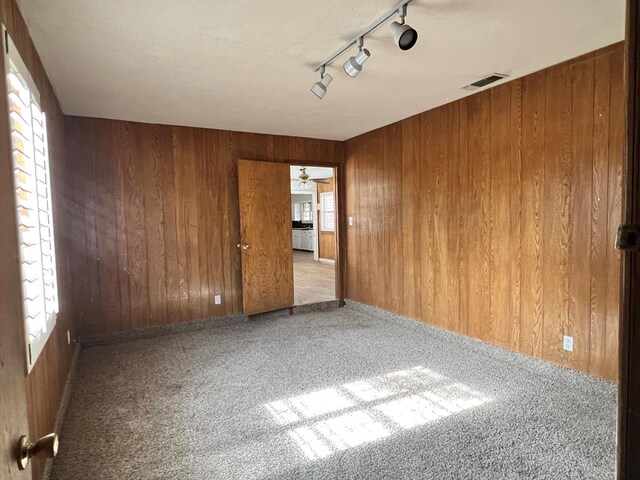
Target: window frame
{"type": "Point", "coordinates": [306, 212]}
{"type": "Point", "coordinates": [34, 344]}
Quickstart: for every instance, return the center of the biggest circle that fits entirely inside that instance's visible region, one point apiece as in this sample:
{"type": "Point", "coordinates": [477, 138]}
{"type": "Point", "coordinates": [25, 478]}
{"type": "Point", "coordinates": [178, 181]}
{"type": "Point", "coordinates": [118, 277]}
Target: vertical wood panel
{"type": "Point", "coordinates": [616, 157]}
{"type": "Point", "coordinates": [426, 258]}
{"type": "Point", "coordinates": [515, 208]}
{"type": "Point", "coordinates": [410, 211]}
{"type": "Point", "coordinates": [438, 159]}
{"type": "Point", "coordinates": [170, 228]}
{"type": "Point", "coordinates": [500, 217]}
{"type": "Point", "coordinates": [557, 193]}
{"type": "Point", "coordinates": [599, 215]}
{"type": "Point", "coordinates": [213, 187]}
{"type": "Point", "coordinates": [163, 202]}
{"type": "Point", "coordinates": [153, 228]}
{"type": "Point", "coordinates": [394, 265]}
{"type": "Point", "coordinates": [580, 214]}
{"type": "Point", "coordinates": [106, 224]}
{"type": "Point", "coordinates": [135, 227]}
{"type": "Point", "coordinates": [463, 219]}
{"type": "Point", "coordinates": [453, 211]}
{"type": "Point", "coordinates": [376, 221]}
{"type": "Point", "coordinates": [118, 142]}
{"type": "Point", "coordinates": [351, 206]}
{"type": "Point", "coordinates": [533, 132]}
{"type": "Point", "coordinates": [479, 222]}
{"type": "Point", "coordinates": [510, 199]}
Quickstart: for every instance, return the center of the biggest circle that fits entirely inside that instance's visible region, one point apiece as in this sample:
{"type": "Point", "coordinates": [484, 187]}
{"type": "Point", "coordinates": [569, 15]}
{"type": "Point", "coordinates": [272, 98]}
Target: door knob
{"type": "Point", "coordinates": [243, 246]}
{"type": "Point", "coordinates": [46, 447]}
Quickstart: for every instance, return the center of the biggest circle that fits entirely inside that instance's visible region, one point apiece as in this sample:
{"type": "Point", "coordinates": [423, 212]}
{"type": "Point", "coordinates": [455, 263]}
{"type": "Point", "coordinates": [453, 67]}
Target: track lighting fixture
{"type": "Point", "coordinates": [353, 66]}
{"type": "Point", "coordinates": [403, 35]}
{"type": "Point", "coordinates": [320, 88]}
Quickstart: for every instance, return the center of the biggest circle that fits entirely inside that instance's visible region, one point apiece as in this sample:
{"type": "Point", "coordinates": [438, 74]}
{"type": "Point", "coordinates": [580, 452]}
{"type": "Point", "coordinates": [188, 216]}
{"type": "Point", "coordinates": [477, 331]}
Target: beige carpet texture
{"type": "Point", "coordinates": [346, 393]}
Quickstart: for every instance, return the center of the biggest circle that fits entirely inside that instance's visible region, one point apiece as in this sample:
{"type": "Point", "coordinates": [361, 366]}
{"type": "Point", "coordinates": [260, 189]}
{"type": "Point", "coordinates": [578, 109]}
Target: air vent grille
{"type": "Point", "coordinates": [483, 82]}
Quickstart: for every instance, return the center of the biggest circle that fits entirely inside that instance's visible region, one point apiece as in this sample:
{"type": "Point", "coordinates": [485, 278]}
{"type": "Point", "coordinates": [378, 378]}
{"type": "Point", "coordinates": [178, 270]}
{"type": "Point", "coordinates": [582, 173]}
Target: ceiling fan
{"type": "Point", "coordinates": [305, 179]}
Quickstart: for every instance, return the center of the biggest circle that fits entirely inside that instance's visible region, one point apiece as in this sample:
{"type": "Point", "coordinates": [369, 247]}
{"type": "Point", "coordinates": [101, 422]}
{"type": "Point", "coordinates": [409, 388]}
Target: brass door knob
{"type": "Point", "coordinates": [45, 447]}
{"type": "Point", "coordinates": [243, 246]}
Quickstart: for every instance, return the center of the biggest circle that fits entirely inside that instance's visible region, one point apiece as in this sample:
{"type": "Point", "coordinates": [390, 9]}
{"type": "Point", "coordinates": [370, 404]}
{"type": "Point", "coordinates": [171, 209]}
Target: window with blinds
{"type": "Point", "coordinates": [307, 215]}
{"type": "Point", "coordinates": [327, 212]}
{"type": "Point", "coordinates": [33, 204]}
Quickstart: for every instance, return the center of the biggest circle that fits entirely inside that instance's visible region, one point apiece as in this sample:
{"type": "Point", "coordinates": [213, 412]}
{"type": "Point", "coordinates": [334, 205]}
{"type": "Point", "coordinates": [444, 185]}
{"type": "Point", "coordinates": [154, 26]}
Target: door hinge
{"type": "Point", "coordinates": [628, 238]}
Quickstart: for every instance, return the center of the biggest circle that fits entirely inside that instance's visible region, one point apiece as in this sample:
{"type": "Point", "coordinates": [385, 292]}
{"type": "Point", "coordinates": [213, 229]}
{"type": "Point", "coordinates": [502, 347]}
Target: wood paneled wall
{"type": "Point", "coordinates": [156, 219]}
{"type": "Point", "coordinates": [45, 383]}
{"type": "Point", "coordinates": [326, 240]}
{"type": "Point", "coordinates": [495, 216]}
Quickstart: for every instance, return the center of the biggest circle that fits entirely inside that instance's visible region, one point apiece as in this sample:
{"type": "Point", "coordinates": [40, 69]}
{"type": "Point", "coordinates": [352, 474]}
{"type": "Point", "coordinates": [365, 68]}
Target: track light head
{"type": "Point", "coordinates": [403, 34]}
{"type": "Point", "coordinates": [353, 66]}
{"type": "Point", "coordinates": [320, 88]}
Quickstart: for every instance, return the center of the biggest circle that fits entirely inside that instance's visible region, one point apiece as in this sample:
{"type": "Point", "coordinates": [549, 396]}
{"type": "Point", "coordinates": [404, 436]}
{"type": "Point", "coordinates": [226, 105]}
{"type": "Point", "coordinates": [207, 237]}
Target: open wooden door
{"type": "Point", "coordinates": [265, 228]}
{"type": "Point", "coordinates": [13, 396]}
{"type": "Point", "coordinates": [629, 241]}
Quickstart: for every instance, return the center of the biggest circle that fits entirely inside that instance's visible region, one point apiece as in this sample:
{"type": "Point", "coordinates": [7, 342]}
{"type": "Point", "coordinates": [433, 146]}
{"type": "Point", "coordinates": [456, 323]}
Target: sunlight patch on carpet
{"type": "Point", "coordinates": [335, 419]}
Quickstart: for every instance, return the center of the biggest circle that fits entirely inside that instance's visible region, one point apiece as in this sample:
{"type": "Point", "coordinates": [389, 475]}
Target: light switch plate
{"type": "Point", "coordinates": [567, 343]}
{"type": "Point", "coordinates": [350, 221]}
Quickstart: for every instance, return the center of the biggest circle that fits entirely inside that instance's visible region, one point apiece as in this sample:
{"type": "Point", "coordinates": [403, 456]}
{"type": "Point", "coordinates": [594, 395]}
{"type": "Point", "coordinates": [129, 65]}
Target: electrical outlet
{"type": "Point", "coordinates": [567, 343]}
{"type": "Point", "coordinates": [68, 337]}
{"type": "Point", "coordinates": [350, 221]}
{"type": "Point", "coordinates": [217, 299]}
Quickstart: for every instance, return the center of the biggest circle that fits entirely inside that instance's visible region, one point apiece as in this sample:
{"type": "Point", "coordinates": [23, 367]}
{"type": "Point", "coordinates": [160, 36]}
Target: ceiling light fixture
{"type": "Point", "coordinates": [320, 88]}
{"type": "Point", "coordinates": [404, 36]}
{"type": "Point", "coordinates": [353, 66]}
{"type": "Point", "coordinates": [402, 33]}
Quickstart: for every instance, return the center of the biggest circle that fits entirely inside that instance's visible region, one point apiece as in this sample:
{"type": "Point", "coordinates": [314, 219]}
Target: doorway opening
{"type": "Point", "coordinates": [313, 231]}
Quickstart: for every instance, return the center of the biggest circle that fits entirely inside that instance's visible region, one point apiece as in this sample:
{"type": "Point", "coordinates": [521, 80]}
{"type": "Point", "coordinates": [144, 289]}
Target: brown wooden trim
{"type": "Point", "coordinates": [341, 245]}
{"type": "Point", "coordinates": [341, 232]}
{"type": "Point", "coordinates": [629, 370]}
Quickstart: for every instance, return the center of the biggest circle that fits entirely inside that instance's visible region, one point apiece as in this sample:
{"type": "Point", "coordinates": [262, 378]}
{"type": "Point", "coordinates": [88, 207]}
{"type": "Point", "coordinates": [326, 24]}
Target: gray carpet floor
{"type": "Point", "coordinates": [343, 394]}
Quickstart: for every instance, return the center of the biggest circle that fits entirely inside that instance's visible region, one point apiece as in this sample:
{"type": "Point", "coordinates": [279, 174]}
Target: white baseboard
{"type": "Point", "coordinates": [327, 260]}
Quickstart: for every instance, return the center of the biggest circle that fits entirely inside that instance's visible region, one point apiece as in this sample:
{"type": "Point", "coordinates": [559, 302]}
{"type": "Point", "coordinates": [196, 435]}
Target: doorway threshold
{"type": "Point", "coordinates": [298, 309]}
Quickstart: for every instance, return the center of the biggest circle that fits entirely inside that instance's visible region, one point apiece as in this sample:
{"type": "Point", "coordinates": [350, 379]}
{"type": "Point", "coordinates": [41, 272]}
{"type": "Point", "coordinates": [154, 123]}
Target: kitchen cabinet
{"type": "Point", "coordinates": [303, 240]}
{"type": "Point", "coordinates": [307, 240]}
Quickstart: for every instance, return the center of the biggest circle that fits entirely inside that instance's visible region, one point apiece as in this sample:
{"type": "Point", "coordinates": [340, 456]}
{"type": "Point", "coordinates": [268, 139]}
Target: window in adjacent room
{"type": "Point", "coordinates": [327, 212]}
{"type": "Point", "coordinates": [32, 184]}
{"type": "Point", "coordinates": [307, 215]}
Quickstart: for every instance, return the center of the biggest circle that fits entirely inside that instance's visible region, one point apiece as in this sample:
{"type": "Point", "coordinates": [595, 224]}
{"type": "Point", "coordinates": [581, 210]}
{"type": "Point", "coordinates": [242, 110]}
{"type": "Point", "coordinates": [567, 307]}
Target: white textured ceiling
{"type": "Point", "coordinates": [246, 64]}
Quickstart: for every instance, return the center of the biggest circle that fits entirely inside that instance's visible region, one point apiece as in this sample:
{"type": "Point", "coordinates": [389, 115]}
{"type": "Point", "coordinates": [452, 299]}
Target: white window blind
{"type": "Point", "coordinates": [33, 204]}
{"type": "Point", "coordinates": [327, 212]}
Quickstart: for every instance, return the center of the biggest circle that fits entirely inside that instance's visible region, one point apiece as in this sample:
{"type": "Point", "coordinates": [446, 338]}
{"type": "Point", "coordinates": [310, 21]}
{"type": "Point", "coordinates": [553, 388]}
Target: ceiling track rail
{"type": "Point", "coordinates": [367, 31]}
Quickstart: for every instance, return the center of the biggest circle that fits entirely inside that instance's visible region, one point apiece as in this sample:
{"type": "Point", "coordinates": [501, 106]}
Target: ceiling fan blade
{"type": "Point", "coordinates": [321, 180]}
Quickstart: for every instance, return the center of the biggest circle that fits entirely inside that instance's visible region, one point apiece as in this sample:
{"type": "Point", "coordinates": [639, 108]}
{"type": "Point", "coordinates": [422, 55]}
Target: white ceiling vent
{"type": "Point", "coordinates": [483, 82]}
